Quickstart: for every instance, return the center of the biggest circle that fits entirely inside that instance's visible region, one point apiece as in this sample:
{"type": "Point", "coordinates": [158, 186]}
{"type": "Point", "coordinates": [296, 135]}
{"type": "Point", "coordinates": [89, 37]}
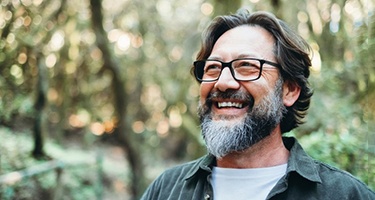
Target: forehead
{"type": "Point", "coordinates": [251, 41]}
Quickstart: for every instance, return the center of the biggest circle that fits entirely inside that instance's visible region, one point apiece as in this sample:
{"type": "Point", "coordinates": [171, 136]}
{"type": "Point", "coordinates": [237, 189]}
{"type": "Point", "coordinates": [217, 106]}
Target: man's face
{"type": "Point", "coordinates": [237, 114]}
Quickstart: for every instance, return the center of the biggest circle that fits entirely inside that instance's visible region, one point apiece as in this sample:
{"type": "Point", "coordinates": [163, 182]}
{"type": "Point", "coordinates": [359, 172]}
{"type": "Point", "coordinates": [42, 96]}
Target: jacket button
{"type": "Point", "coordinates": [207, 196]}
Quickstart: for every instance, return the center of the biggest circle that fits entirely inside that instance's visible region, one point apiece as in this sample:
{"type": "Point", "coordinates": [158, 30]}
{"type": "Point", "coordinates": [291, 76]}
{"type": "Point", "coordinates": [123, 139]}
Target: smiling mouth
{"type": "Point", "coordinates": [229, 104]}
{"type": "Point", "coordinates": [231, 99]}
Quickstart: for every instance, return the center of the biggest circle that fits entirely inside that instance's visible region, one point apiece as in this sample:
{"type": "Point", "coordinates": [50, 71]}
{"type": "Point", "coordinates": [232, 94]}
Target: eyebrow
{"type": "Point", "coordinates": [244, 55]}
{"type": "Point", "coordinates": [251, 55]}
{"type": "Point", "coordinates": [214, 58]}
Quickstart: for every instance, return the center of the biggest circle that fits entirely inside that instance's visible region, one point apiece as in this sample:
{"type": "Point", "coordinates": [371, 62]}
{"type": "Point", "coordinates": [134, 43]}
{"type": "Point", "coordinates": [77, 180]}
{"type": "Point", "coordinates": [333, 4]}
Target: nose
{"type": "Point", "coordinates": [226, 81]}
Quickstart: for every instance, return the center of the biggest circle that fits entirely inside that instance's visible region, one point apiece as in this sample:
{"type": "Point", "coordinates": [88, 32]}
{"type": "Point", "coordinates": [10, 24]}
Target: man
{"type": "Point", "coordinates": [253, 72]}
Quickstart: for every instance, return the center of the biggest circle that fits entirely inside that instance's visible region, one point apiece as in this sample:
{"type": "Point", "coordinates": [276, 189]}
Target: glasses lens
{"type": "Point", "coordinates": [242, 69]}
{"type": "Point", "coordinates": [207, 70]}
{"type": "Point", "coordinates": [198, 69]}
{"type": "Point", "coordinates": [246, 69]}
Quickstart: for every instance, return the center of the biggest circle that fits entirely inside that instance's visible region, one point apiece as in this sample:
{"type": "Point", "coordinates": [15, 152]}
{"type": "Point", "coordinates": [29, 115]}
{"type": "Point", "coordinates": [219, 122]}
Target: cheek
{"type": "Point", "coordinates": [258, 89]}
{"type": "Point", "coordinates": [205, 89]}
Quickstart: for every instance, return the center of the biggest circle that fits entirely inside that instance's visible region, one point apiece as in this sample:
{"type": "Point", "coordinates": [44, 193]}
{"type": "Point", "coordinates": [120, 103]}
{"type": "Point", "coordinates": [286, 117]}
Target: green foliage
{"type": "Point", "coordinates": [15, 155]}
{"type": "Point", "coordinates": [20, 105]}
{"type": "Point", "coordinates": [155, 44]}
{"type": "Point", "coordinates": [344, 151]}
{"type": "Point", "coordinates": [78, 179]}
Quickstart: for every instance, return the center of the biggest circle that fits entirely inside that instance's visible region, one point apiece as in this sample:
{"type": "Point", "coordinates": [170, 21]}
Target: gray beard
{"type": "Point", "coordinates": [223, 137]}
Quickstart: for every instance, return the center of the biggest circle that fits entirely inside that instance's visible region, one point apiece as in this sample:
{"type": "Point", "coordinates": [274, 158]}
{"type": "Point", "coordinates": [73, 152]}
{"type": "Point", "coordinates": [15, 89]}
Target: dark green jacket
{"type": "Point", "coordinates": [305, 179]}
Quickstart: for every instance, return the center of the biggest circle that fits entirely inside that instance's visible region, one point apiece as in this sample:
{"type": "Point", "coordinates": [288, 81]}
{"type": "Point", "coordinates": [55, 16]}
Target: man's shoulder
{"type": "Point", "coordinates": [175, 176]}
{"type": "Point", "coordinates": [335, 177]}
{"type": "Point", "coordinates": [188, 169]}
{"type": "Point", "coordinates": [172, 182]}
{"type": "Point", "coordinates": [327, 179]}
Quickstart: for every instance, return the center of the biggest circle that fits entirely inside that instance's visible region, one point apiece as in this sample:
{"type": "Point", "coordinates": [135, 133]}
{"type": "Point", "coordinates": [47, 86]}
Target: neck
{"type": "Point", "coordinates": [268, 152]}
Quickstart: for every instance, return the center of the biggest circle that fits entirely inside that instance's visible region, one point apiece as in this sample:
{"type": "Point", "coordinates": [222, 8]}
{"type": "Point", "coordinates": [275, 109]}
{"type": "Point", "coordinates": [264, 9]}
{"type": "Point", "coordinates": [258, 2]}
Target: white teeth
{"type": "Point", "coordinates": [229, 104]}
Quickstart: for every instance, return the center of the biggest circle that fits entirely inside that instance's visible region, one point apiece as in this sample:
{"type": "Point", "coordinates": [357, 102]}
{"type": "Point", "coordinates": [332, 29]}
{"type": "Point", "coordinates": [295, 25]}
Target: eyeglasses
{"type": "Point", "coordinates": [243, 69]}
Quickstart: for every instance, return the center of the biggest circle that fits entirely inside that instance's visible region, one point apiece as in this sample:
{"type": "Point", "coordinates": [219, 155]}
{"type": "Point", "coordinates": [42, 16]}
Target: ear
{"type": "Point", "coordinates": [291, 93]}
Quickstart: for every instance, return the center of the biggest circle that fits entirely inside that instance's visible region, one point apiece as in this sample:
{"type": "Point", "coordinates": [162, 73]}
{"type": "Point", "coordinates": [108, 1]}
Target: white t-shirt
{"type": "Point", "coordinates": [245, 184]}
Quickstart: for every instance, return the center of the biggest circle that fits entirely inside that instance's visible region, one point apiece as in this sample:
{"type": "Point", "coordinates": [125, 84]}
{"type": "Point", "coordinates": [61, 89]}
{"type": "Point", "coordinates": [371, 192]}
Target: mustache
{"type": "Point", "coordinates": [204, 109]}
{"type": "Point", "coordinates": [231, 94]}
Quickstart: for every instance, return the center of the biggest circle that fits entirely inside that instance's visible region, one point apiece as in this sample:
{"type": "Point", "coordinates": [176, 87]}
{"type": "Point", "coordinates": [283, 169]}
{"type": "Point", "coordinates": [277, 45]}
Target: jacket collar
{"type": "Point", "coordinates": [203, 165]}
{"type": "Point", "coordinates": [298, 162]}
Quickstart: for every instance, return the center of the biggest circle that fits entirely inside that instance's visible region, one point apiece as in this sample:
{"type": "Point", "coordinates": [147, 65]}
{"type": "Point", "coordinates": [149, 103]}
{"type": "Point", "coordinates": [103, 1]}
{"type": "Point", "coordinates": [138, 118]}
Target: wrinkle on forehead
{"type": "Point", "coordinates": [244, 41]}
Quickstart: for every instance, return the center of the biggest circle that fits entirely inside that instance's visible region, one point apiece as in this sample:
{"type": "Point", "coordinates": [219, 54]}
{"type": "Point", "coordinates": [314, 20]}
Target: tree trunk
{"type": "Point", "coordinates": [122, 134]}
{"type": "Point", "coordinates": [38, 151]}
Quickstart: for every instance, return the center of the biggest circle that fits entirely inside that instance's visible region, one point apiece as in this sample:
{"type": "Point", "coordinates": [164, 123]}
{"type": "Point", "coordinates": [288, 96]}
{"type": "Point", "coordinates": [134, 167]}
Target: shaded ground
{"type": "Point", "coordinates": [80, 179]}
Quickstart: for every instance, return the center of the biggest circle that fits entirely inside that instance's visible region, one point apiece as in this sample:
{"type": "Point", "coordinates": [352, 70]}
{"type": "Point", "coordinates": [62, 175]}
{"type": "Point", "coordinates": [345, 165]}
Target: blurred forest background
{"type": "Point", "coordinates": [96, 98]}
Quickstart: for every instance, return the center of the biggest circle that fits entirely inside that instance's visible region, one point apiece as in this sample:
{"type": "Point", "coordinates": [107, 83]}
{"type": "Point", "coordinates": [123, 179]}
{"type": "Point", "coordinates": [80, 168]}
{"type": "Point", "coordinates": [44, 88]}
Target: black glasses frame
{"type": "Point", "coordinates": [199, 72]}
